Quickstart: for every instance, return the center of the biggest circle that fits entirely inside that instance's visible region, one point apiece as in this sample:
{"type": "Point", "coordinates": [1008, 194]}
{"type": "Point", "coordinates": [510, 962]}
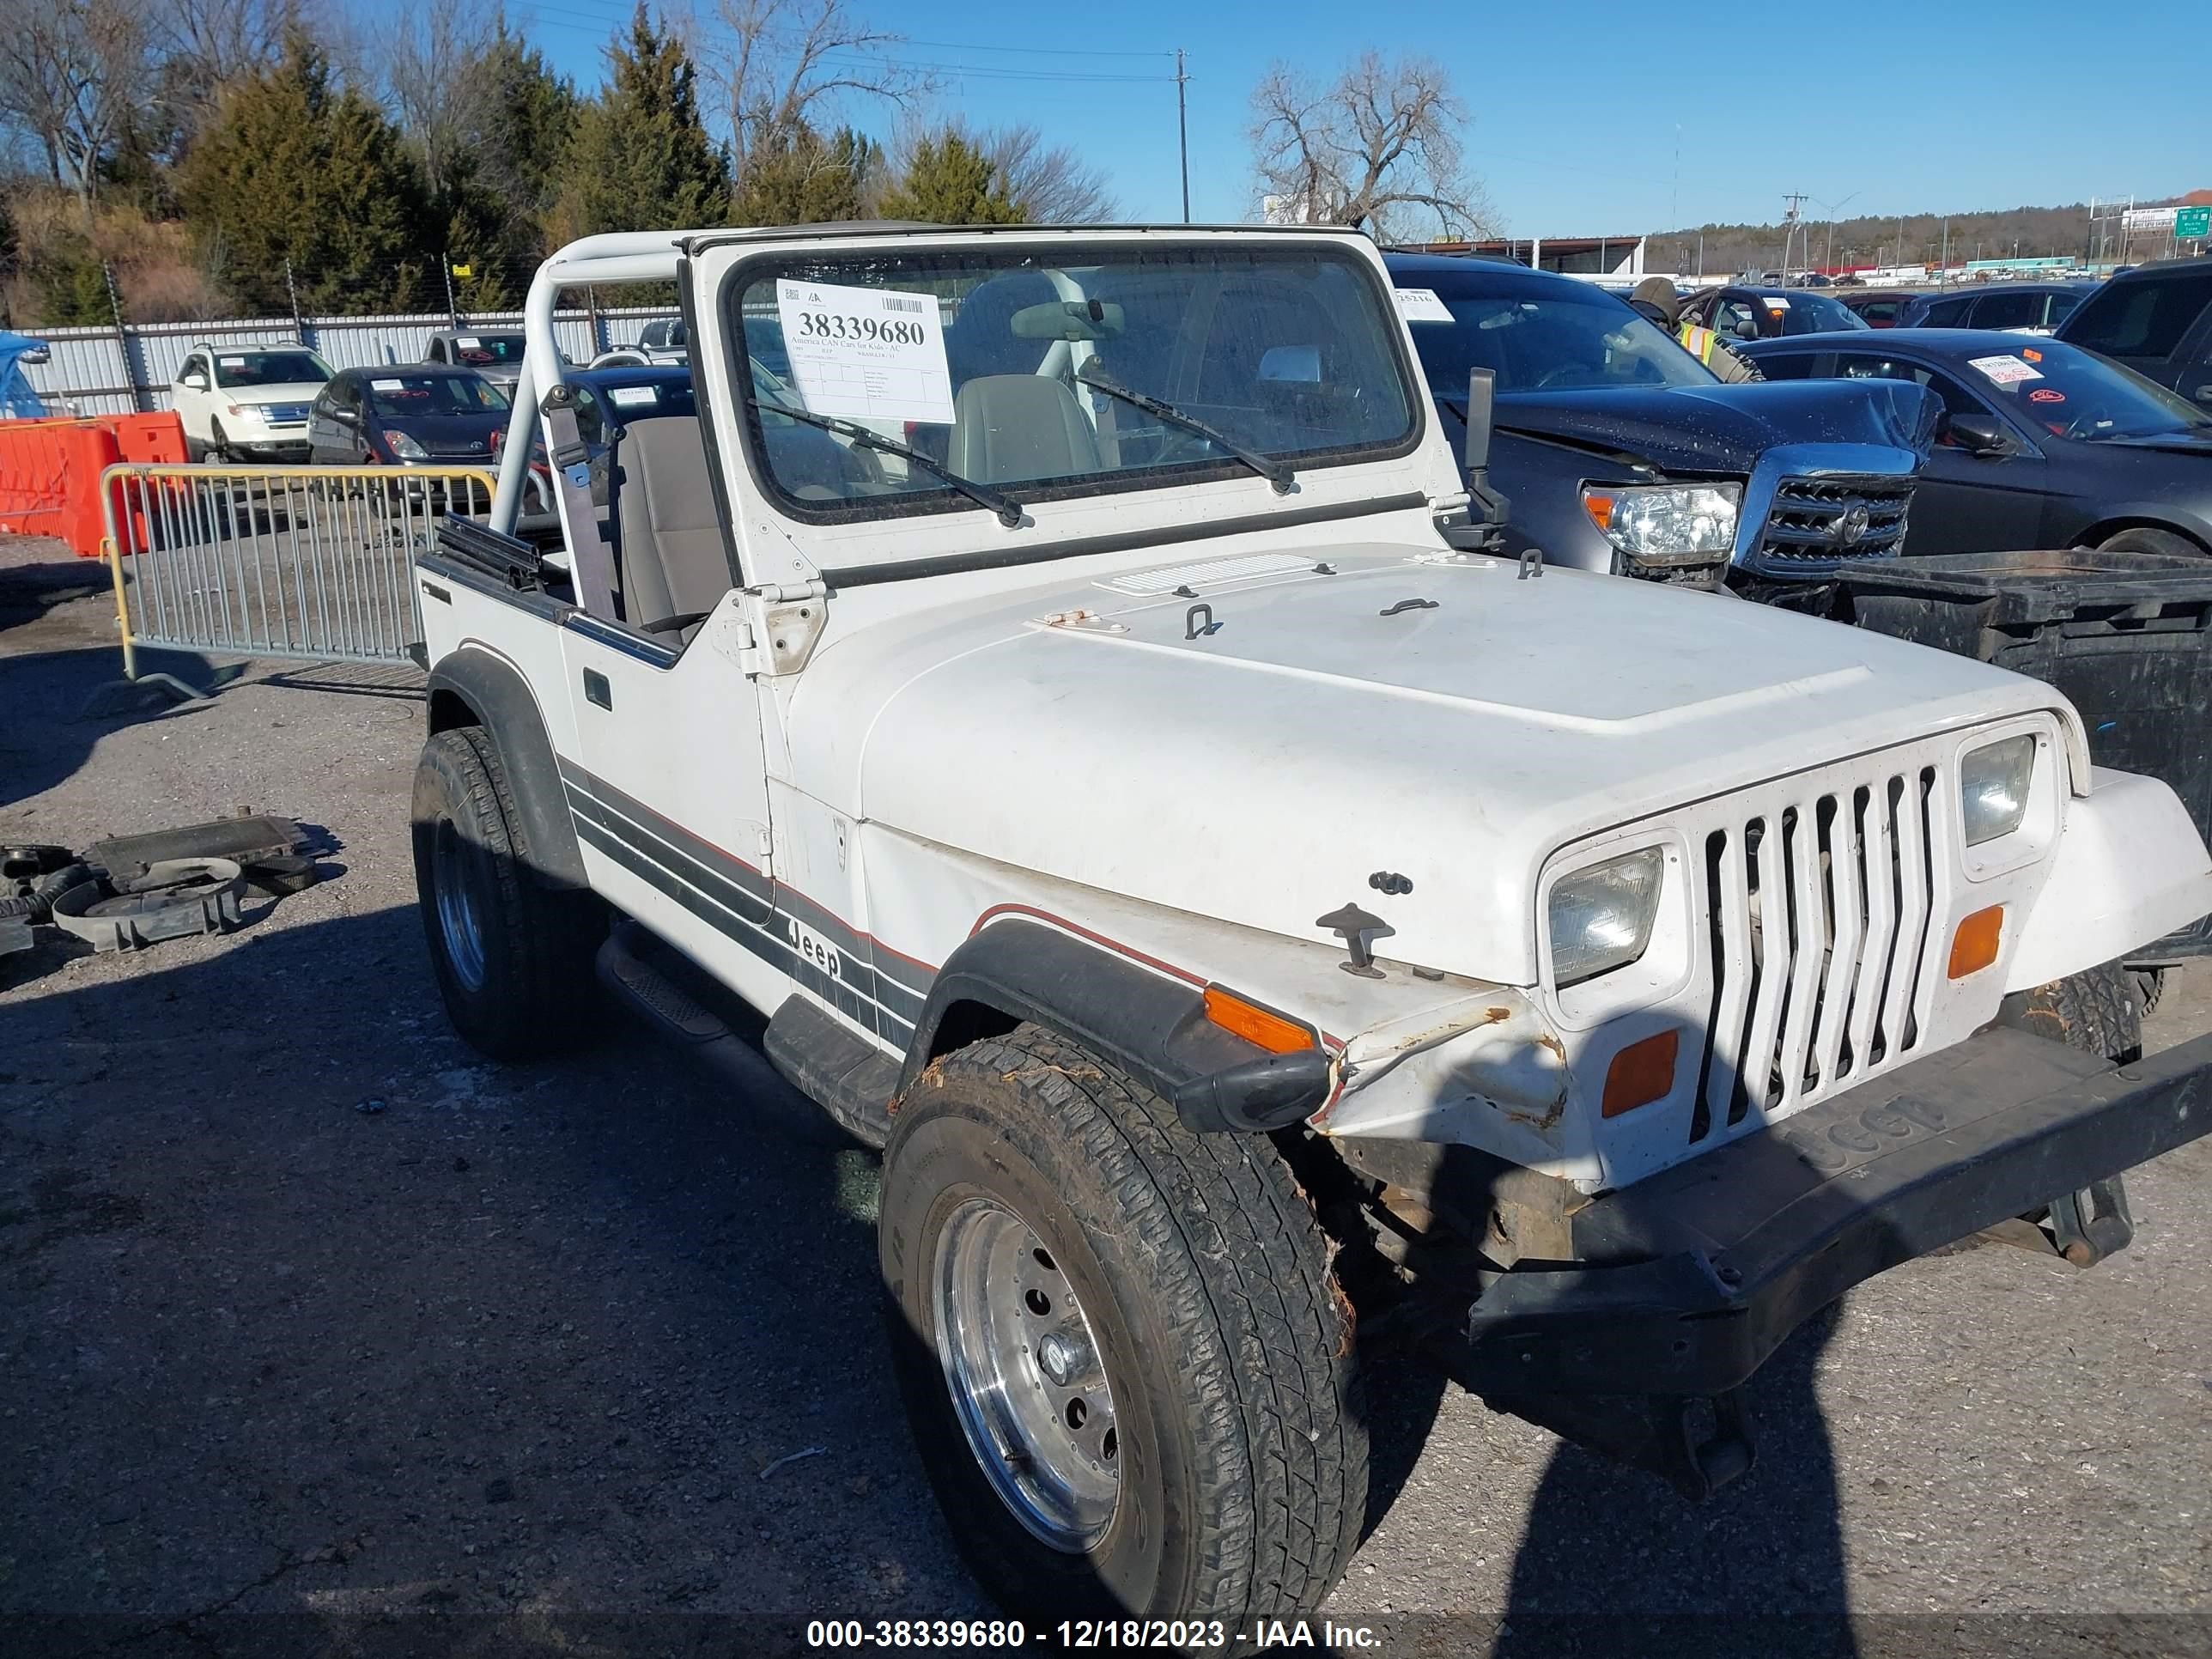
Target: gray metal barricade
{"type": "Point", "coordinates": [311, 563]}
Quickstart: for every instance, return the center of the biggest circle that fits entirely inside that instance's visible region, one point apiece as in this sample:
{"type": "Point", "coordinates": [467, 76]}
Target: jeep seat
{"type": "Point", "coordinates": [1007, 428]}
{"type": "Point", "coordinates": [672, 559]}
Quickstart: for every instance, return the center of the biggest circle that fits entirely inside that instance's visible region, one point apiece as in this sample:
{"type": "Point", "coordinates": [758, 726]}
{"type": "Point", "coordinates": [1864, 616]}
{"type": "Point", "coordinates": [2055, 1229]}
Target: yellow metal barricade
{"type": "Point", "coordinates": [313, 563]}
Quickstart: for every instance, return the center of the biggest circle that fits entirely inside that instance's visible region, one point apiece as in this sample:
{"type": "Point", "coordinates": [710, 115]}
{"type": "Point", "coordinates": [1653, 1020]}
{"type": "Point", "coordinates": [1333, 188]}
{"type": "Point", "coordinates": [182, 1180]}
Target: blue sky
{"type": "Point", "coordinates": [1886, 108]}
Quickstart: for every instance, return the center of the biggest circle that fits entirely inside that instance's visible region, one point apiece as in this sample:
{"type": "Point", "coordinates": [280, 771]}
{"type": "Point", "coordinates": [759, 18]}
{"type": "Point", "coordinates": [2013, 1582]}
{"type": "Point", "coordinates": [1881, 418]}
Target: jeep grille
{"type": "Point", "coordinates": [1818, 899]}
{"type": "Point", "coordinates": [1818, 523]}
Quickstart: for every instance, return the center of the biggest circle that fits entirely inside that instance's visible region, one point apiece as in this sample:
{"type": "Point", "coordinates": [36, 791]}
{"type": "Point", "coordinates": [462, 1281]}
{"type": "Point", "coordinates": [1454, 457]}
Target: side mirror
{"type": "Point", "coordinates": [1981, 435]}
{"type": "Point", "coordinates": [1482, 402]}
{"type": "Point", "coordinates": [1746, 330]}
{"type": "Point", "coordinates": [194, 381]}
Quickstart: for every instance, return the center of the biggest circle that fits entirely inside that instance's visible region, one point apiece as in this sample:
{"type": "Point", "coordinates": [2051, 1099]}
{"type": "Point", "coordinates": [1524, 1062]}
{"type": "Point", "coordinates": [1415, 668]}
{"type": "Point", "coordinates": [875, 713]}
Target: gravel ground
{"type": "Point", "coordinates": [320, 1335]}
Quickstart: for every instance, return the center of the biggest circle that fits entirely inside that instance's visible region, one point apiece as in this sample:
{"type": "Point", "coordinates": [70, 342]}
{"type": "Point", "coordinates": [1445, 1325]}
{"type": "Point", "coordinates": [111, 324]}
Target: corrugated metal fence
{"type": "Point", "coordinates": [102, 371]}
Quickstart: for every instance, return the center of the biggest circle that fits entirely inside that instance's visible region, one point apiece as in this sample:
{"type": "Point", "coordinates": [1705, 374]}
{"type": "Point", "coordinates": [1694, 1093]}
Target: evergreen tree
{"type": "Point", "coordinates": [949, 181]}
{"type": "Point", "coordinates": [518, 117]}
{"type": "Point", "coordinates": [295, 167]}
{"type": "Point", "coordinates": [639, 159]}
{"type": "Point", "coordinates": [801, 179]}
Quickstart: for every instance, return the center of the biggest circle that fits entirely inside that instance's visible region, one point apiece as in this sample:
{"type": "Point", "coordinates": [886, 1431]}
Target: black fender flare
{"type": "Point", "coordinates": [1148, 1023]}
{"type": "Point", "coordinates": [474, 688]}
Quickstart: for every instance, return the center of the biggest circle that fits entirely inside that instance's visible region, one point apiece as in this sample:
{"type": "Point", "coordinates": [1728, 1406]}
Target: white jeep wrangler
{"type": "Point", "coordinates": [1043, 680]}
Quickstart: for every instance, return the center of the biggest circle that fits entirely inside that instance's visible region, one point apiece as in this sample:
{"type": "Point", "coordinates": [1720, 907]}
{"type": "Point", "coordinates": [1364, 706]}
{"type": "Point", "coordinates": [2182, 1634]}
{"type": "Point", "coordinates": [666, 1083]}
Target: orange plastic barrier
{"type": "Point", "coordinates": [49, 471]}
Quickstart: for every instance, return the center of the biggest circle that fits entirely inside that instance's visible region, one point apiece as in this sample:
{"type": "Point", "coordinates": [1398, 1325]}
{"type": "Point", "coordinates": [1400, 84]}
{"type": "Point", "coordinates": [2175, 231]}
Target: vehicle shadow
{"type": "Point", "coordinates": [424, 1354]}
{"type": "Point", "coordinates": [1614, 1562]}
{"type": "Point", "coordinates": [48, 734]}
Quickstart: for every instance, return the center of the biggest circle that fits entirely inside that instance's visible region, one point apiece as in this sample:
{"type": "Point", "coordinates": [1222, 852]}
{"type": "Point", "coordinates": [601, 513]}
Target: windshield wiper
{"type": "Point", "coordinates": [1009, 510]}
{"type": "Point", "coordinates": [1276, 472]}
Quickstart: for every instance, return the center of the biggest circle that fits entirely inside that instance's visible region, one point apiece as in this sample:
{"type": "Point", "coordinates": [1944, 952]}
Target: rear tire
{"type": "Point", "coordinates": [2143, 538]}
{"type": "Point", "coordinates": [512, 958]}
{"type": "Point", "coordinates": [1196, 1283]}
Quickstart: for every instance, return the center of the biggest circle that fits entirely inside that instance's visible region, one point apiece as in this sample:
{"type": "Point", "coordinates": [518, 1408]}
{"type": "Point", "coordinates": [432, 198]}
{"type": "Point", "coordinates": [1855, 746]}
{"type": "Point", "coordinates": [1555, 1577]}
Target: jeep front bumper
{"type": "Point", "coordinates": [1682, 1285]}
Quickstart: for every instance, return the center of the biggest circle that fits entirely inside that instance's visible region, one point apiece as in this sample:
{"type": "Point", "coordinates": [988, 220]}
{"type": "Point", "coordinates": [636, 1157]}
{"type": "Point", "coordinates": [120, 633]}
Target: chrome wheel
{"type": "Point", "coordinates": [457, 924]}
{"type": "Point", "coordinates": [1025, 1376]}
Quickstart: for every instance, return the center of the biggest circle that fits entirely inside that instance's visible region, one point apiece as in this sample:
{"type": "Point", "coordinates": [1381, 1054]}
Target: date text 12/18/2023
{"type": "Point", "coordinates": [1076, 1635]}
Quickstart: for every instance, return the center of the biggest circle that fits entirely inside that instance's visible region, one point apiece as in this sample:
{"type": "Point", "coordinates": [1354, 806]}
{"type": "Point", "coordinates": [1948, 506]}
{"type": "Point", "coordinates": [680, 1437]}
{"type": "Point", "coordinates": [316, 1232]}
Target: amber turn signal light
{"type": "Point", "coordinates": [1974, 946]}
{"type": "Point", "coordinates": [1640, 1073]}
{"type": "Point", "coordinates": [1261, 1027]}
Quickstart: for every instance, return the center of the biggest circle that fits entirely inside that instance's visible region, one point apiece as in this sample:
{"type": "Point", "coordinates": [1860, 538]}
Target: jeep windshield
{"type": "Point", "coordinates": [989, 363]}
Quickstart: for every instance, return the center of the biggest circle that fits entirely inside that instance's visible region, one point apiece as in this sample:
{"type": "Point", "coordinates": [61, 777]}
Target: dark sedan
{"type": "Point", "coordinates": [2041, 443]}
{"type": "Point", "coordinates": [1745, 312]}
{"type": "Point", "coordinates": [2023, 307]}
{"type": "Point", "coordinates": [1877, 307]}
{"type": "Point", "coordinates": [406, 417]}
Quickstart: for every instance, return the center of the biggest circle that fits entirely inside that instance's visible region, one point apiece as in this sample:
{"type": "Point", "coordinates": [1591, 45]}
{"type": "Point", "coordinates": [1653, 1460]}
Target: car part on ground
{"type": "Point", "coordinates": [250, 838]}
{"type": "Point", "coordinates": [175, 899]}
{"type": "Point", "coordinates": [133, 891]}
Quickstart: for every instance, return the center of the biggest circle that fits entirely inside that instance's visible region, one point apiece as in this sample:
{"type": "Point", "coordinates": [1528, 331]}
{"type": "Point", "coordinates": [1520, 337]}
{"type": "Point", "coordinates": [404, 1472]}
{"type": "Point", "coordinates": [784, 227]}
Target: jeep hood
{"type": "Point", "coordinates": [1725, 429]}
{"type": "Point", "coordinates": [1261, 773]}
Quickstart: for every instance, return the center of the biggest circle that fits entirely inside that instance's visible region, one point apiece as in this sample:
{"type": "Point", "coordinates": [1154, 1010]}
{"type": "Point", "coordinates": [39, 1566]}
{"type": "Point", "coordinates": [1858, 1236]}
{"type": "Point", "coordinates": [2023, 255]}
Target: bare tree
{"type": "Point", "coordinates": [72, 74]}
{"type": "Point", "coordinates": [1377, 150]}
{"type": "Point", "coordinates": [779, 66]}
{"type": "Point", "coordinates": [429, 69]}
{"type": "Point", "coordinates": [1050, 182]}
{"type": "Point", "coordinates": [221, 39]}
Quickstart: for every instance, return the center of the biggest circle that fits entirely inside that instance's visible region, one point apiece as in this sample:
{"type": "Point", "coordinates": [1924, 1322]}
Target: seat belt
{"type": "Point", "coordinates": [591, 561]}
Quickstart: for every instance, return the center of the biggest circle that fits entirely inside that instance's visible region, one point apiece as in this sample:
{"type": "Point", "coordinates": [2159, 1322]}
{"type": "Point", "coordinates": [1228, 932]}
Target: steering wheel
{"type": "Point", "coordinates": [1557, 374]}
{"type": "Point", "coordinates": [2088, 421]}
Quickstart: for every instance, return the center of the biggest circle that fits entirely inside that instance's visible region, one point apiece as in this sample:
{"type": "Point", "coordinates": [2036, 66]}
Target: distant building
{"type": "Point", "coordinates": [1570, 256]}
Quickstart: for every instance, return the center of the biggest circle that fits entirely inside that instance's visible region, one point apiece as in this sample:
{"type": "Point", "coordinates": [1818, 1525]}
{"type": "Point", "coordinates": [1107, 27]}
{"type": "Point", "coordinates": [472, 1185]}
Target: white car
{"type": "Point", "coordinates": [1234, 909]}
{"type": "Point", "coordinates": [247, 403]}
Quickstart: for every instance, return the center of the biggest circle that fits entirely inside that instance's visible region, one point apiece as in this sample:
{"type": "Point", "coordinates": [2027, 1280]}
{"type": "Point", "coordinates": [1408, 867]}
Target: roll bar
{"type": "Point", "coordinates": [640, 256]}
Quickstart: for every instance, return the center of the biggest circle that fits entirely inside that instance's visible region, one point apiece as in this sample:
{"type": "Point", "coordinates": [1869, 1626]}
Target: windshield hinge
{"type": "Point", "coordinates": [786, 620]}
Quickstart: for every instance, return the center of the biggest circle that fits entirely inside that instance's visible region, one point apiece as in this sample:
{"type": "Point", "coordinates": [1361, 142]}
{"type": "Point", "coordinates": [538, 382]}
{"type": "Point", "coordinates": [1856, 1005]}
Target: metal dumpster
{"type": "Point", "coordinates": [2127, 636]}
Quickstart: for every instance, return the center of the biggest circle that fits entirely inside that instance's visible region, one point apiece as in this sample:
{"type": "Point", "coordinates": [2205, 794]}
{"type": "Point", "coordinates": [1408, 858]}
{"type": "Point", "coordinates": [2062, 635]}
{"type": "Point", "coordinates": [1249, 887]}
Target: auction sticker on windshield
{"type": "Point", "coordinates": [866, 353]}
{"type": "Point", "coordinates": [1421, 305]}
{"type": "Point", "coordinates": [2007, 370]}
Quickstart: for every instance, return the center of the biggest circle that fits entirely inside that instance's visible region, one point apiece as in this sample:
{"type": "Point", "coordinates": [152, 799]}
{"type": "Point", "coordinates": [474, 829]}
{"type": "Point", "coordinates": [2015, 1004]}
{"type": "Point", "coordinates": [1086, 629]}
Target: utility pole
{"type": "Point", "coordinates": [1182, 132]}
{"type": "Point", "coordinates": [446, 265]}
{"type": "Point", "coordinates": [292, 293]}
{"type": "Point", "coordinates": [1796, 200]}
{"type": "Point", "coordinates": [131, 366]}
{"type": "Point", "coordinates": [1943, 276]}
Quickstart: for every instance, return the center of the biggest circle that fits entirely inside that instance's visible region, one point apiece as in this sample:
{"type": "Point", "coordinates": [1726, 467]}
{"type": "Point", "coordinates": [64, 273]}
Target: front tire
{"type": "Point", "coordinates": [514, 958]}
{"type": "Point", "coordinates": [2099, 1012]}
{"type": "Point", "coordinates": [1058, 1253]}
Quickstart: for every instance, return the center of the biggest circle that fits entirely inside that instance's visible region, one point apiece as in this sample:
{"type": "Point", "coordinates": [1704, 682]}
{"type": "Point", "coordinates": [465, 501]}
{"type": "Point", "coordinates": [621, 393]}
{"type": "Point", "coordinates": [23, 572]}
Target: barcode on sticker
{"type": "Point", "coordinates": [914, 306]}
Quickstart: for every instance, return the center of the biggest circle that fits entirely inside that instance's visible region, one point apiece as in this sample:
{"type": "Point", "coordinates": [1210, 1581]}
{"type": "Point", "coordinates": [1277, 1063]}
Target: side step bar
{"type": "Point", "coordinates": [682, 1005]}
{"type": "Point", "coordinates": [852, 1079]}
